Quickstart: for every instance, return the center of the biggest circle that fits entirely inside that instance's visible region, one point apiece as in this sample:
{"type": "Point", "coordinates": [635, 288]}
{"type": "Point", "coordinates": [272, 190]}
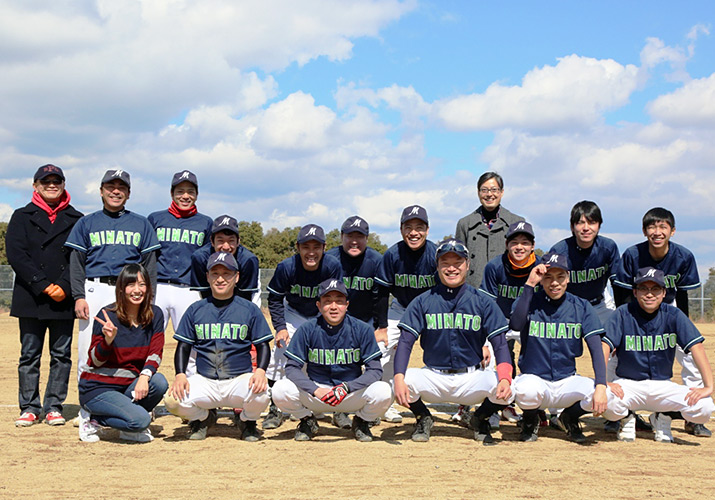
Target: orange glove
{"type": "Point", "coordinates": [55, 292]}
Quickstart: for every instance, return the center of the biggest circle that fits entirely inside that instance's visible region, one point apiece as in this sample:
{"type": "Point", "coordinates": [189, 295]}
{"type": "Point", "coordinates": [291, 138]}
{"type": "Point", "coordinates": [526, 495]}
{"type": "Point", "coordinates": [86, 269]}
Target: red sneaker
{"type": "Point", "coordinates": [26, 419]}
{"type": "Point", "coordinates": [55, 418]}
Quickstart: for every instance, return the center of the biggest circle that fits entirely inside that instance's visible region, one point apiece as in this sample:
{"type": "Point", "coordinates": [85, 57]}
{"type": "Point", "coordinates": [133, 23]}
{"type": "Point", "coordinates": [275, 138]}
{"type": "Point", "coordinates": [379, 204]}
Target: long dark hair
{"type": "Point", "coordinates": [129, 274]}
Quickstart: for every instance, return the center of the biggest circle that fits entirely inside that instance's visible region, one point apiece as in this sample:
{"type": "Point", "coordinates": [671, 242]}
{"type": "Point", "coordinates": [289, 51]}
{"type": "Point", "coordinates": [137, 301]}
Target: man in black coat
{"type": "Point", "coordinates": [41, 297]}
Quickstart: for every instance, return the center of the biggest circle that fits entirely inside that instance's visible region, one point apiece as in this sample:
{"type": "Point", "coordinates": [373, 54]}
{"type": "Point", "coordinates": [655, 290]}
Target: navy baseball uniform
{"type": "Point", "coordinates": [359, 278]}
{"type": "Point", "coordinates": [333, 355]}
{"type": "Point", "coordinates": [221, 333]}
{"type": "Point", "coordinates": [103, 243]}
{"type": "Point", "coordinates": [501, 285]}
{"type": "Point", "coordinates": [293, 292]}
{"type": "Point", "coordinates": [645, 345]}
{"type": "Point", "coordinates": [248, 273]}
{"type": "Point", "coordinates": [179, 237]}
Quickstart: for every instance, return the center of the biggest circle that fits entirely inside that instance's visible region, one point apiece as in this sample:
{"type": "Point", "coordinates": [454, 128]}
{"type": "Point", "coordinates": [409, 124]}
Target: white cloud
{"type": "Point", "coordinates": [692, 105]}
{"type": "Point", "coordinates": [574, 93]}
{"type": "Point", "coordinates": [5, 212]}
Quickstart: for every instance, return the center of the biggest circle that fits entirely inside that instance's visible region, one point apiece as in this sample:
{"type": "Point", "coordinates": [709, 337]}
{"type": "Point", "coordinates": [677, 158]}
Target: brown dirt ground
{"type": "Point", "coordinates": [50, 462]}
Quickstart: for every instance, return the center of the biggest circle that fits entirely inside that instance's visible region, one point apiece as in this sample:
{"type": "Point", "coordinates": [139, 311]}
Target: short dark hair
{"type": "Point", "coordinates": [658, 214]}
{"type": "Point", "coordinates": [490, 175]}
{"type": "Point", "coordinates": [587, 209]}
{"type": "Point", "coordinates": [225, 232]}
{"type": "Point", "coordinates": [129, 274]}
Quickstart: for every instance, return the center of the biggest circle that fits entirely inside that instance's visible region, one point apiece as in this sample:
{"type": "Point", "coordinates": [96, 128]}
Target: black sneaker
{"type": "Point", "coordinates": [249, 430]}
{"type": "Point", "coordinates": [482, 430]}
{"type": "Point", "coordinates": [529, 426]}
{"type": "Point", "coordinates": [422, 429]}
{"type": "Point", "coordinates": [342, 421]}
{"type": "Point", "coordinates": [697, 429]}
{"type": "Point", "coordinates": [572, 426]}
{"type": "Point", "coordinates": [612, 426]}
{"type": "Point", "coordinates": [642, 425]}
{"type": "Point", "coordinates": [198, 429]}
{"type": "Point", "coordinates": [273, 419]}
{"type": "Point", "coordinates": [361, 429]}
{"type": "Point", "coordinates": [307, 428]}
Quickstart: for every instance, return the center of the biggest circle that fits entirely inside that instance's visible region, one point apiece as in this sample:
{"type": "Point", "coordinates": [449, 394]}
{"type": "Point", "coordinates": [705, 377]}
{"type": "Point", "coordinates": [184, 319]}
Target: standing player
{"type": "Point", "coordinates": [181, 230]}
{"type": "Point", "coordinates": [553, 325]}
{"type": "Point", "coordinates": [226, 238]}
{"type": "Point", "coordinates": [680, 275]}
{"type": "Point", "coordinates": [408, 269]}
{"type": "Point", "coordinates": [221, 329]}
{"type": "Point", "coordinates": [644, 334]}
{"type": "Point", "coordinates": [41, 294]}
{"type": "Point", "coordinates": [359, 264]}
{"type": "Point", "coordinates": [504, 280]}
{"type": "Point", "coordinates": [333, 348]}
{"type": "Point", "coordinates": [453, 322]}
{"type": "Point", "coordinates": [102, 244]}
{"type": "Point", "coordinates": [594, 261]}
{"type": "Point", "coordinates": [291, 299]}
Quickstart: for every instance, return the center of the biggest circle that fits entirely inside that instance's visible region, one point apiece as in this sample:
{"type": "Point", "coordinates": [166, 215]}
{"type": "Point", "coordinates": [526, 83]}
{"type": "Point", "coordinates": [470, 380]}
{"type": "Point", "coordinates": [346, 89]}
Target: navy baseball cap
{"type": "Point", "coordinates": [224, 223]}
{"type": "Point", "coordinates": [332, 285]}
{"type": "Point", "coordinates": [223, 259]}
{"type": "Point", "coordinates": [355, 224]}
{"type": "Point", "coordinates": [520, 228]}
{"type": "Point", "coordinates": [556, 260]}
{"type": "Point", "coordinates": [452, 245]}
{"type": "Point", "coordinates": [185, 175]}
{"type": "Point", "coordinates": [117, 173]}
{"type": "Point", "coordinates": [414, 212]}
{"type": "Point", "coordinates": [46, 171]}
{"type": "Point", "coordinates": [311, 232]}
{"type": "Point", "coordinates": [645, 274]}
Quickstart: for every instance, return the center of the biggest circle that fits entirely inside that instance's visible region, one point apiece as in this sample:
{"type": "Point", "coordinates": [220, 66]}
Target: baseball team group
{"type": "Point", "coordinates": [345, 321]}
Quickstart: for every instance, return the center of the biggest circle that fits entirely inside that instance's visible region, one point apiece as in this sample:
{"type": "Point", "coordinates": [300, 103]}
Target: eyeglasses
{"type": "Point", "coordinates": [451, 246]}
{"type": "Point", "coordinates": [490, 190]}
{"type": "Point", "coordinates": [55, 182]}
{"type": "Point", "coordinates": [655, 290]}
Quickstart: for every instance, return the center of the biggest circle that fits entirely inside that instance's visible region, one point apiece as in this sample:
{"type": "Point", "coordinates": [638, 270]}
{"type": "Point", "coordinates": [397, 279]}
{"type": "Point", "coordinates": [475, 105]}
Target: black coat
{"type": "Point", "coordinates": [35, 249]}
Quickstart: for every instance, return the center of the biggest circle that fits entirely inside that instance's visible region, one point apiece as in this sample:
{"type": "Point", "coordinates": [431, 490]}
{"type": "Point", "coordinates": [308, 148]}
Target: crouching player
{"type": "Point", "coordinates": [553, 324]}
{"type": "Point", "coordinates": [221, 329]}
{"type": "Point", "coordinates": [453, 322]}
{"type": "Point", "coordinates": [334, 348]}
{"type": "Point", "coordinates": [644, 335]}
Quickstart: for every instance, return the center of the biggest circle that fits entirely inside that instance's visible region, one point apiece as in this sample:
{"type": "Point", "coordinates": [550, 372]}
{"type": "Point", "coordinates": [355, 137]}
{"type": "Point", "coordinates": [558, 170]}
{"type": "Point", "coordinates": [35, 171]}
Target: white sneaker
{"type": "Point", "coordinates": [494, 421]}
{"type": "Point", "coordinates": [139, 437]}
{"type": "Point", "coordinates": [510, 415]}
{"type": "Point", "coordinates": [463, 416]}
{"type": "Point", "coordinates": [661, 427]}
{"type": "Point", "coordinates": [627, 433]}
{"type": "Point", "coordinates": [89, 431]}
{"type": "Point", "coordinates": [392, 415]}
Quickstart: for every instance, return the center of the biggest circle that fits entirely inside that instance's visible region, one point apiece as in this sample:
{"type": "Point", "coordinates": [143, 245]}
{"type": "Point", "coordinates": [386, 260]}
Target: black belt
{"type": "Point", "coordinates": [596, 301]}
{"type": "Point", "coordinates": [108, 280]}
{"type": "Point", "coordinates": [173, 282]}
{"type": "Point", "coordinates": [452, 371]}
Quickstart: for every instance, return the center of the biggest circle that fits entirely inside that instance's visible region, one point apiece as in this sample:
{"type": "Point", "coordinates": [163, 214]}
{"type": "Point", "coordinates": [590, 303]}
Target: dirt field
{"type": "Point", "coordinates": [46, 462]}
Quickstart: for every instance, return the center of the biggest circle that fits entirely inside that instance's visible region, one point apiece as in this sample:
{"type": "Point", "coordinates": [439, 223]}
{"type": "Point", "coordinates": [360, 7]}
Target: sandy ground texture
{"type": "Point", "coordinates": [50, 462]}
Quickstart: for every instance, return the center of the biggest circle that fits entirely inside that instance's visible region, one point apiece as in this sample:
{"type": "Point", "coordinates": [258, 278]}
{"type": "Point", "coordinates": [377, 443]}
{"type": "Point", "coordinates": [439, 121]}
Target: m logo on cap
{"type": "Point", "coordinates": [333, 284]}
{"type": "Point", "coordinates": [650, 273]}
{"type": "Point", "coordinates": [553, 258]}
{"type": "Point", "coordinates": [415, 210]}
{"type": "Point", "coordinates": [185, 175]}
{"type": "Point", "coordinates": [519, 226]}
{"type": "Point", "coordinates": [225, 221]}
{"type": "Point", "coordinates": [311, 232]}
{"type": "Point", "coordinates": [118, 173]}
{"type": "Point", "coordinates": [221, 257]}
{"type": "Point", "coordinates": [356, 223]}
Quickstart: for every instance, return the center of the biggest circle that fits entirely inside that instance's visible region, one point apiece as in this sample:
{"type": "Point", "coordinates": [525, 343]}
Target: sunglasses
{"type": "Point", "coordinates": [55, 182]}
{"type": "Point", "coordinates": [451, 246]}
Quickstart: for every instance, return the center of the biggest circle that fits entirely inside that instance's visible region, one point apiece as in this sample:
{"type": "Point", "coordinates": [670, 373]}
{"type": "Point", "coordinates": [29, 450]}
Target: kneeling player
{"type": "Point", "coordinates": [453, 322]}
{"type": "Point", "coordinates": [334, 348]}
{"type": "Point", "coordinates": [553, 324]}
{"type": "Point", "coordinates": [221, 329]}
{"type": "Point", "coordinates": [644, 335]}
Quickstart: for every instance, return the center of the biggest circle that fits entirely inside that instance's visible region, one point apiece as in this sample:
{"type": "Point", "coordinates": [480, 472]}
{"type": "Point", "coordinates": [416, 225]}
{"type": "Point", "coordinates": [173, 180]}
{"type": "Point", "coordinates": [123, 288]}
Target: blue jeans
{"type": "Point", "coordinates": [32, 338]}
{"type": "Point", "coordinates": [117, 410]}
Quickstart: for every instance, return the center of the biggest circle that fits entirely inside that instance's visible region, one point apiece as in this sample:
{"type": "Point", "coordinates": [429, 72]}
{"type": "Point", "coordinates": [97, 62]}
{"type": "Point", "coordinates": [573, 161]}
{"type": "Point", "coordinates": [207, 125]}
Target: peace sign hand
{"type": "Point", "coordinates": [108, 328]}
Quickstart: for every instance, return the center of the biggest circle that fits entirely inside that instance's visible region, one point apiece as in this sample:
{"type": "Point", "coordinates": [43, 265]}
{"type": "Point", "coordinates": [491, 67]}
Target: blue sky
{"type": "Point", "coordinates": [296, 112]}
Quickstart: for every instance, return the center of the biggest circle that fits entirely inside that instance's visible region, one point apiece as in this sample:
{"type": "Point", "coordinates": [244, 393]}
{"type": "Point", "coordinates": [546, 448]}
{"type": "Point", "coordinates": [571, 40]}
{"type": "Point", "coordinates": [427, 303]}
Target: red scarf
{"type": "Point", "coordinates": [179, 213]}
{"type": "Point", "coordinates": [51, 212]}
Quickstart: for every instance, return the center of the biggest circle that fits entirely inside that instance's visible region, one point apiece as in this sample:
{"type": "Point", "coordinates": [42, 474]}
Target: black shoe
{"type": "Point", "coordinates": [198, 429]}
{"type": "Point", "coordinates": [530, 426]}
{"type": "Point", "coordinates": [307, 428]}
{"type": "Point", "coordinates": [361, 429]}
{"type": "Point", "coordinates": [273, 419]}
{"type": "Point", "coordinates": [697, 429]}
{"type": "Point", "coordinates": [572, 426]}
{"type": "Point", "coordinates": [642, 425]}
{"type": "Point", "coordinates": [612, 426]}
{"type": "Point", "coordinates": [482, 430]}
{"type": "Point", "coordinates": [249, 430]}
{"type": "Point", "coordinates": [341, 420]}
{"type": "Point", "coordinates": [422, 429]}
